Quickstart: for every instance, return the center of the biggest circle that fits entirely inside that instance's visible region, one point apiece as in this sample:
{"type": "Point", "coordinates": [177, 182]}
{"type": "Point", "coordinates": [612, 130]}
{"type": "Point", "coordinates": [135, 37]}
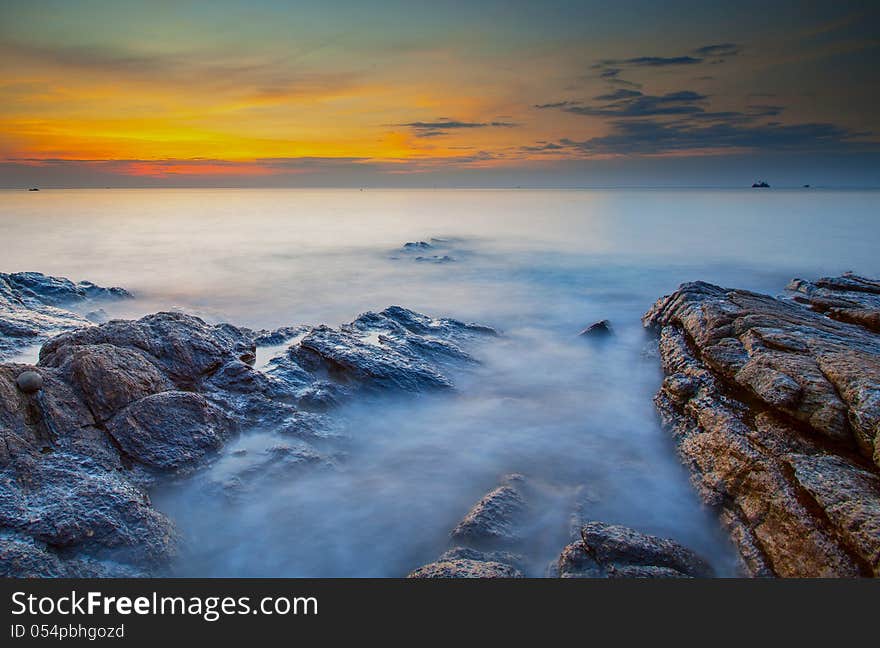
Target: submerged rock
{"type": "Point", "coordinates": [416, 245]}
{"type": "Point", "coordinates": [776, 409]}
{"type": "Point", "coordinates": [600, 329]}
{"type": "Point", "coordinates": [437, 250]}
{"type": "Point", "coordinates": [437, 258]}
{"type": "Point", "coordinates": [496, 519]}
{"type": "Point", "coordinates": [614, 551]}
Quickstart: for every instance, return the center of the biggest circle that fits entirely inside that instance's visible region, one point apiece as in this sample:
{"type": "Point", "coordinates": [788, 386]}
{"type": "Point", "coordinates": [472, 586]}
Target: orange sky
{"type": "Point", "coordinates": [244, 89]}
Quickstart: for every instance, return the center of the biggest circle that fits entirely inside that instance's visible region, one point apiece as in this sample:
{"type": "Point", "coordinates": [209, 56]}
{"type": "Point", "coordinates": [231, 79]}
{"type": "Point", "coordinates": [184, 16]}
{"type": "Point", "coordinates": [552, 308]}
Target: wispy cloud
{"type": "Point", "coordinates": [717, 51]}
{"type": "Point", "coordinates": [650, 136]}
{"type": "Point", "coordinates": [632, 103]}
{"type": "Point", "coordinates": [651, 61]}
{"type": "Point", "coordinates": [443, 126]}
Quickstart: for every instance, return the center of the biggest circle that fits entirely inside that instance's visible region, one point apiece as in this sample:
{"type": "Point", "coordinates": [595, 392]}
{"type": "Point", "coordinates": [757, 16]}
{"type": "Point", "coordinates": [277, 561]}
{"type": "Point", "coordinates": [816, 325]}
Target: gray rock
{"type": "Point", "coordinates": [31, 307]}
{"type": "Point", "coordinates": [29, 382]}
{"type": "Point", "coordinates": [395, 349]}
{"type": "Point", "coordinates": [614, 551]}
{"type": "Point", "coordinates": [170, 430]}
{"type": "Point", "coordinates": [126, 402]}
{"type": "Point", "coordinates": [613, 545]}
{"type": "Point", "coordinates": [600, 329]}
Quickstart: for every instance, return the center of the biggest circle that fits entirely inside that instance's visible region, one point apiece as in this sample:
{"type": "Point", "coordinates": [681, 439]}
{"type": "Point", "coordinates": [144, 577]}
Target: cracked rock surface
{"type": "Point", "coordinates": [775, 405]}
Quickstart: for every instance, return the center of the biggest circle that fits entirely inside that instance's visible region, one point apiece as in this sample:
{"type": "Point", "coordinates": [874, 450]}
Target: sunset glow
{"type": "Point", "coordinates": [213, 90]}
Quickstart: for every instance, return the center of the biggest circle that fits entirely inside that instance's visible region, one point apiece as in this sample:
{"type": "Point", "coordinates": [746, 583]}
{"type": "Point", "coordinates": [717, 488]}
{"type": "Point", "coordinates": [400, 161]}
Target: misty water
{"type": "Point", "coordinates": [574, 416]}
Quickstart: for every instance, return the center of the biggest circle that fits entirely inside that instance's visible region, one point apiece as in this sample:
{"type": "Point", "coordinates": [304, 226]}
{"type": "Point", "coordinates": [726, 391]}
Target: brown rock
{"type": "Point", "coordinates": [496, 518]}
{"type": "Point", "coordinates": [464, 568]}
{"type": "Point", "coordinates": [772, 405]}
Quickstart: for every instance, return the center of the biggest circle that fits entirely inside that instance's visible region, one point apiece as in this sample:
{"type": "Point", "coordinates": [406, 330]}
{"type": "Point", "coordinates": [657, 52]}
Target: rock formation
{"type": "Point", "coordinates": [34, 306]}
{"type": "Point", "coordinates": [614, 551]}
{"type": "Point", "coordinates": [600, 329]}
{"type": "Point", "coordinates": [492, 524]}
{"type": "Point", "coordinates": [776, 410]}
{"type": "Point", "coordinates": [110, 409]}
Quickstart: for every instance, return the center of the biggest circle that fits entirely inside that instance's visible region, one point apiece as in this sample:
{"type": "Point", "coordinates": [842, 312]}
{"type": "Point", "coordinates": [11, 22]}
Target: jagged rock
{"type": "Point", "coordinates": [468, 553]}
{"type": "Point", "coordinates": [496, 518]}
{"type": "Point", "coordinates": [30, 307]}
{"type": "Point", "coordinates": [614, 551]}
{"type": "Point", "coordinates": [849, 298]}
{"type": "Point", "coordinates": [575, 562]}
{"type": "Point", "coordinates": [184, 347]}
{"type": "Point", "coordinates": [464, 568]}
{"type": "Point", "coordinates": [109, 403]}
{"type": "Point", "coordinates": [71, 503]}
{"type": "Point", "coordinates": [57, 291]}
{"type": "Point", "coordinates": [776, 410]}
{"type": "Point", "coordinates": [600, 329]}
{"type": "Point", "coordinates": [124, 402]}
{"type": "Point", "coordinates": [21, 557]}
{"type": "Point", "coordinates": [396, 349]}
{"type": "Point", "coordinates": [494, 521]}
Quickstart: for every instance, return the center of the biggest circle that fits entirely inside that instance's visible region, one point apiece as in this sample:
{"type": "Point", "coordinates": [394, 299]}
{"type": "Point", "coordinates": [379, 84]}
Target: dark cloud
{"type": "Point", "coordinates": [626, 103]}
{"type": "Point", "coordinates": [646, 136]}
{"type": "Point", "coordinates": [612, 76]}
{"type": "Point", "coordinates": [610, 69]}
{"type": "Point", "coordinates": [621, 93]}
{"type": "Point", "coordinates": [652, 61]}
{"type": "Point", "coordinates": [443, 126]}
{"type": "Point", "coordinates": [543, 146]}
{"type": "Point", "coordinates": [558, 104]}
{"type": "Point", "coordinates": [719, 50]}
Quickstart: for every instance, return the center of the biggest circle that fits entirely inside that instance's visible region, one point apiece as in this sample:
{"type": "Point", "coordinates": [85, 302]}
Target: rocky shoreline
{"type": "Point", "coordinates": [125, 404]}
{"type": "Point", "coordinates": [774, 403]}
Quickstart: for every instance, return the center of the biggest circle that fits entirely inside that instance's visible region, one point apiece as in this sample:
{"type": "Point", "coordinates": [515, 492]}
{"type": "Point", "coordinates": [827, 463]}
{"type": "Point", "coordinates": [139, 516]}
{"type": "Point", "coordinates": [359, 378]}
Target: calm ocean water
{"type": "Point", "coordinates": [538, 265]}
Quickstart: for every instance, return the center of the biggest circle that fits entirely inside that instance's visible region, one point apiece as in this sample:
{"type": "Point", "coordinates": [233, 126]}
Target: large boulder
{"type": "Point", "coordinates": [776, 409]}
{"type": "Point", "coordinates": [184, 347]}
{"type": "Point", "coordinates": [77, 453]}
{"type": "Point", "coordinates": [170, 430]}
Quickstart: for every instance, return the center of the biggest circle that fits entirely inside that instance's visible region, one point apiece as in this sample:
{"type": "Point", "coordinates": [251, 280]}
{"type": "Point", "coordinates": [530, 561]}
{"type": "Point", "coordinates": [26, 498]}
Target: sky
{"type": "Point", "coordinates": [433, 94]}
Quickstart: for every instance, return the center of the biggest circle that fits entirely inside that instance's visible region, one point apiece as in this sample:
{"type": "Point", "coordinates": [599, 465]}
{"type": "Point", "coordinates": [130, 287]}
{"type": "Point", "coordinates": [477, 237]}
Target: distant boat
{"type": "Point", "coordinates": [760, 184]}
{"type": "Point", "coordinates": [806, 186]}
{"type": "Point", "coordinates": [33, 189]}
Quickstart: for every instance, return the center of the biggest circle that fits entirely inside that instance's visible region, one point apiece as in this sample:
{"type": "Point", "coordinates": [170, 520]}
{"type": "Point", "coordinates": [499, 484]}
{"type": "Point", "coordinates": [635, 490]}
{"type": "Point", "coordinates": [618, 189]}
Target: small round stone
{"type": "Point", "coordinates": [29, 382]}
